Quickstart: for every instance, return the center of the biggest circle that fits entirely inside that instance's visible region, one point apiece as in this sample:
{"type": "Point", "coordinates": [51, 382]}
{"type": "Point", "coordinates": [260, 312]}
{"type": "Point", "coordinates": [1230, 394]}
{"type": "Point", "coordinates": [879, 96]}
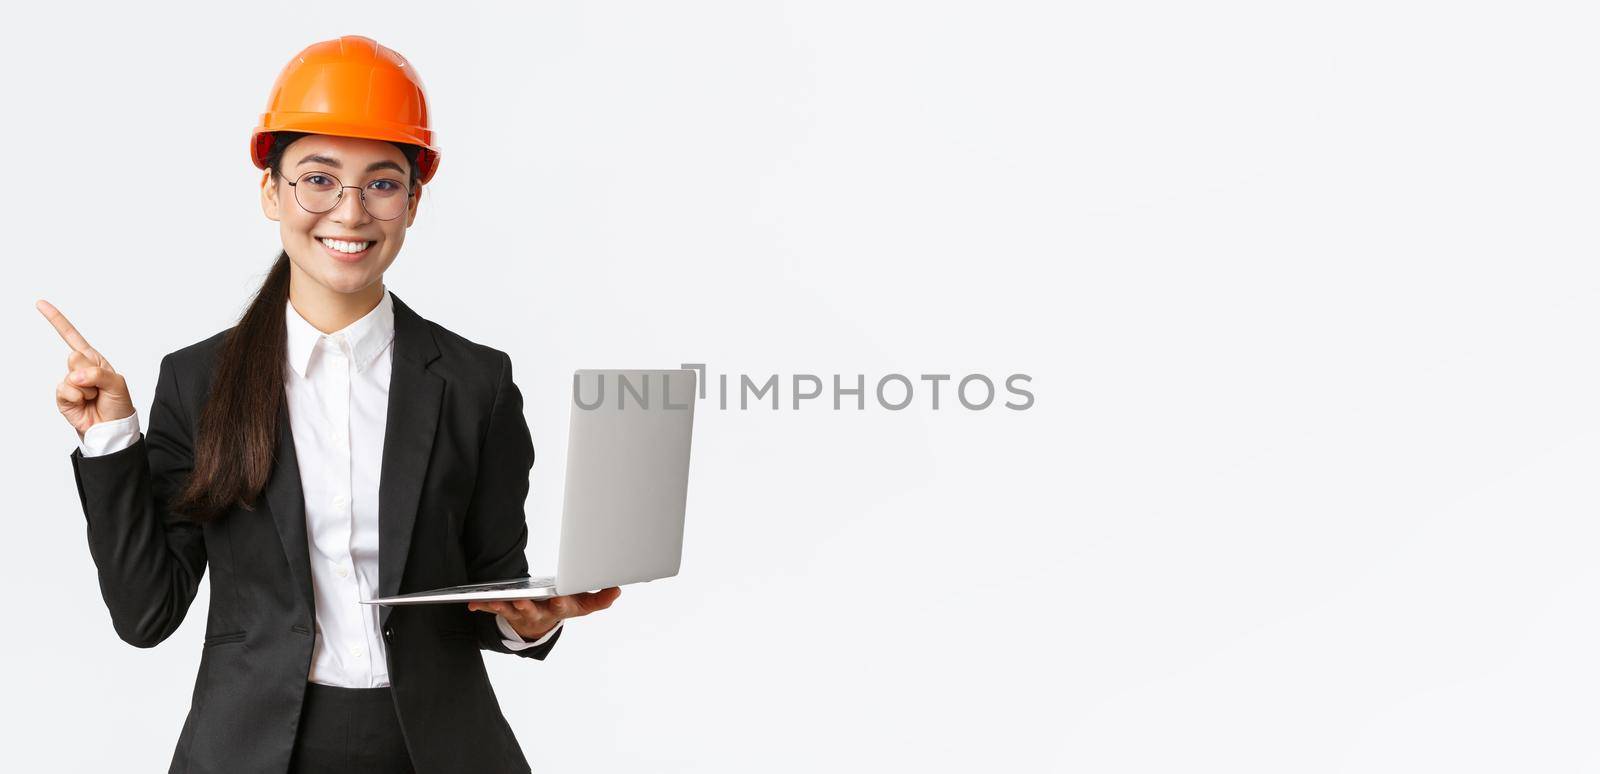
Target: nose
{"type": "Point", "coordinates": [349, 210]}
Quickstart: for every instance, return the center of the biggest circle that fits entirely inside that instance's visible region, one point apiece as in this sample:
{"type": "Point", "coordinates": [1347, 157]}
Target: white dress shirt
{"type": "Point", "coordinates": [337, 386]}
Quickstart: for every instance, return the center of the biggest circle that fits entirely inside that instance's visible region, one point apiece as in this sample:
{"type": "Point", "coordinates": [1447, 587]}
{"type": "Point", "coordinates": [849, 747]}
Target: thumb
{"type": "Point", "coordinates": [104, 379]}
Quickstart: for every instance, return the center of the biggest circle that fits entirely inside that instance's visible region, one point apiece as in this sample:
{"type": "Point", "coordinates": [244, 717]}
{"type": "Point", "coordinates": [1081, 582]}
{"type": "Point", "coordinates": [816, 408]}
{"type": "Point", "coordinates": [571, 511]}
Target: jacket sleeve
{"type": "Point", "coordinates": [495, 532]}
{"type": "Point", "coordinates": [149, 560]}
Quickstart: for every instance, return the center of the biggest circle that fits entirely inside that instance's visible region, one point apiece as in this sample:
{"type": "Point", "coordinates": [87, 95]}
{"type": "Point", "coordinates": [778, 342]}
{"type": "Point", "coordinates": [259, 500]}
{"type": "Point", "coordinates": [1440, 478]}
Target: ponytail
{"type": "Point", "coordinates": [238, 431]}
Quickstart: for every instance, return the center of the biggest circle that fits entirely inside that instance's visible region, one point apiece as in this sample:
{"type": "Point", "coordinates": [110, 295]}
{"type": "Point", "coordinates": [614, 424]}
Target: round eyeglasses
{"type": "Point", "coordinates": [384, 198]}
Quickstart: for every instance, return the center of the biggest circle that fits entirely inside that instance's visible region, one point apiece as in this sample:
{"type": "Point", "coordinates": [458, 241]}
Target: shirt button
{"type": "Point", "coordinates": [338, 436]}
{"type": "Point", "coordinates": [339, 501]}
{"type": "Point", "coordinates": [343, 571]}
{"type": "Point", "coordinates": [356, 650]}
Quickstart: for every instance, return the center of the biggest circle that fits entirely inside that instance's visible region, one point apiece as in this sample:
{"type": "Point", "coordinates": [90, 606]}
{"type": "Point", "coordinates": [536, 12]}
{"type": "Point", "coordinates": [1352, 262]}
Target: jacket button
{"type": "Point", "coordinates": [388, 632]}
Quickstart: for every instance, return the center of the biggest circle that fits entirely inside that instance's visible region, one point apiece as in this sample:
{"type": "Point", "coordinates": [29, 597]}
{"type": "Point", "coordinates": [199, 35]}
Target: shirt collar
{"type": "Point", "coordinates": [366, 337]}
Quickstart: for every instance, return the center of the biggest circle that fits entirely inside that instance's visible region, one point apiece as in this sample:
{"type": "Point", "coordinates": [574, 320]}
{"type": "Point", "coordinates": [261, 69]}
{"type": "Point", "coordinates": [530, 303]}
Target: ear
{"type": "Point", "coordinates": [269, 196]}
{"type": "Point", "coordinates": [411, 209]}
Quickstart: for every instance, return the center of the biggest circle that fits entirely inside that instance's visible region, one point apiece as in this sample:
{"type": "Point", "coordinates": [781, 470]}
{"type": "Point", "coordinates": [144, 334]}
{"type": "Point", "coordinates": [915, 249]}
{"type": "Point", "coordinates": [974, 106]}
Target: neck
{"type": "Point", "coordinates": [329, 310]}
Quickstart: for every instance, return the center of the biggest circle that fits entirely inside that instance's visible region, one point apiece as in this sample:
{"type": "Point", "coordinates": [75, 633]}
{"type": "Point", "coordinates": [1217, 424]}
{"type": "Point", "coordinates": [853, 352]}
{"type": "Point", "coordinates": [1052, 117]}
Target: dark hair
{"type": "Point", "coordinates": [236, 443]}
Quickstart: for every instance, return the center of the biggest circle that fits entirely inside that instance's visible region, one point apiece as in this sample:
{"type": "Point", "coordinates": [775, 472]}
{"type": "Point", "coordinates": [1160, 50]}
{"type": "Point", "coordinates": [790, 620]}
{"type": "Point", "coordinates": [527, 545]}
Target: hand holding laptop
{"type": "Point", "coordinates": [534, 618]}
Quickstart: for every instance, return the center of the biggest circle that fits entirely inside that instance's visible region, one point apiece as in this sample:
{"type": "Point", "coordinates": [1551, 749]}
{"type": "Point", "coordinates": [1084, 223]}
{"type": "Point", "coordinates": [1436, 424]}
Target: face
{"type": "Point", "coordinates": [344, 249]}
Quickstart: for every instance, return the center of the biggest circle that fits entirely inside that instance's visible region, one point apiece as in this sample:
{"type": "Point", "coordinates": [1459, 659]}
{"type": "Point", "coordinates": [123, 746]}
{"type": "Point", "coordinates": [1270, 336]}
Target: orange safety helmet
{"type": "Point", "coordinates": [350, 87]}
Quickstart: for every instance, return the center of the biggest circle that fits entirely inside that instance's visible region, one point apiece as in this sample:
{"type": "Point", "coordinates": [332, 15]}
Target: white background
{"type": "Point", "coordinates": [1307, 292]}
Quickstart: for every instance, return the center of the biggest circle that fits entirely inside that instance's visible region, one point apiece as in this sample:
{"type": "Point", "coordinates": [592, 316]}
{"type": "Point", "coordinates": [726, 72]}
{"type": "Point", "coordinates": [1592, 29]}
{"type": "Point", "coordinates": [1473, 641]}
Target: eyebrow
{"type": "Point", "coordinates": [317, 158]}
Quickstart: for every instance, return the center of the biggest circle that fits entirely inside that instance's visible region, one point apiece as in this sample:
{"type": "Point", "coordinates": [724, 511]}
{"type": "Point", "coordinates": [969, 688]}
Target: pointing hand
{"type": "Point", "coordinates": [91, 391]}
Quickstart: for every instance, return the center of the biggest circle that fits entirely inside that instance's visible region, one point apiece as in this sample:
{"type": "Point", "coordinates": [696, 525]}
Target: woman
{"type": "Point", "coordinates": [332, 446]}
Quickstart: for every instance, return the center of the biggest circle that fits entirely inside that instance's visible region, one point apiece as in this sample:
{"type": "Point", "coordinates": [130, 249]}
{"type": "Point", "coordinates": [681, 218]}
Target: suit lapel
{"type": "Point", "coordinates": [413, 414]}
{"type": "Point", "coordinates": [288, 504]}
{"type": "Point", "coordinates": [414, 398]}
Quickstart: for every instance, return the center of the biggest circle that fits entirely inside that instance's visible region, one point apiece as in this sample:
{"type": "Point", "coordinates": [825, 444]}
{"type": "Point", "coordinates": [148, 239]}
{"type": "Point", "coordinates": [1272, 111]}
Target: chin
{"type": "Point", "coordinates": [353, 286]}
{"type": "Point", "coordinates": [345, 279]}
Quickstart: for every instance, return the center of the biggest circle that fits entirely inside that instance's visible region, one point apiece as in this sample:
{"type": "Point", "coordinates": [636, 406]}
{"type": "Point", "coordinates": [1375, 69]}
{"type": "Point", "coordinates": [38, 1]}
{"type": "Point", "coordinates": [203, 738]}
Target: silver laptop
{"type": "Point", "coordinates": [627, 487]}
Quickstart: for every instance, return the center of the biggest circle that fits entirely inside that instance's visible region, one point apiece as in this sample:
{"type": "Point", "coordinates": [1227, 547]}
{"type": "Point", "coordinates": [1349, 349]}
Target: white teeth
{"type": "Point", "coordinates": [346, 247]}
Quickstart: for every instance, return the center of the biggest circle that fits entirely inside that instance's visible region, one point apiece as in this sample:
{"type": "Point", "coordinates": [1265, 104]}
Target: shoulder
{"type": "Point", "coordinates": [189, 368]}
{"type": "Point", "coordinates": [463, 353]}
{"type": "Point", "coordinates": [481, 370]}
{"type": "Point", "coordinates": [479, 376]}
{"type": "Point", "coordinates": [202, 352]}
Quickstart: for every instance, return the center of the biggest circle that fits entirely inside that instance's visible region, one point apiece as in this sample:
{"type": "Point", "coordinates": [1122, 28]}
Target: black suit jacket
{"type": "Point", "coordinates": [456, 457]}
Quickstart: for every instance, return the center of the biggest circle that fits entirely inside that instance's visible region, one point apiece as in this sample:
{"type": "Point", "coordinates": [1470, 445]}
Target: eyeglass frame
{"type": "Point", "coordinates": [337, 199]}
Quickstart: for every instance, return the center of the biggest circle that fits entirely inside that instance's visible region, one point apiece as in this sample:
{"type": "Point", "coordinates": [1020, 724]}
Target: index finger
{"type": "Point", "coordinates": [68, 333]}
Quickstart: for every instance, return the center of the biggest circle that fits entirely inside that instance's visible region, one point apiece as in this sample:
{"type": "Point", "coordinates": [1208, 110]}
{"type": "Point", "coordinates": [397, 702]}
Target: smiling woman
{"type": "Point", "coordinates": [339, 243]}
{"type": "Point", "coordinates": [301, 454]}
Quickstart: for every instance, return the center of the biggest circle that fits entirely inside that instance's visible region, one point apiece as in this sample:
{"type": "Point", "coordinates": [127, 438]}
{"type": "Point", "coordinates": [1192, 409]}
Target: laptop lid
{"type": "Point", "coordinates": [627, 477]}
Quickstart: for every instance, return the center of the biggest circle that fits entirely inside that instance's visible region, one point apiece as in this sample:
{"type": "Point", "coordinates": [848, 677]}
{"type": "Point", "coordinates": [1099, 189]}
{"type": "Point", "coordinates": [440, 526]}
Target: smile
{"type": "Point", "coordinates": [345, 250]}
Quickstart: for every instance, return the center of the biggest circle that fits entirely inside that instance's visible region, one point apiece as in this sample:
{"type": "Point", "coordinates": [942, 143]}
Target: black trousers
{"type": "Point", "coordinates": [349, 731]}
